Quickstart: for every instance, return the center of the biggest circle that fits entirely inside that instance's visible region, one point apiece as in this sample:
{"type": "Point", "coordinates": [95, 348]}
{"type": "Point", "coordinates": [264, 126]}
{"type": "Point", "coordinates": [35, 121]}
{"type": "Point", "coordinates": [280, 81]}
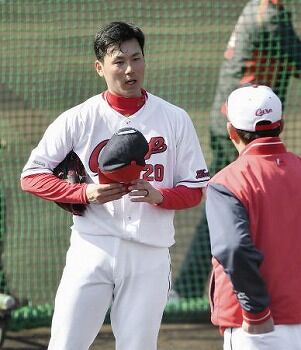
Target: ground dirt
{"type": "Point", "coordinates": [172, 337]}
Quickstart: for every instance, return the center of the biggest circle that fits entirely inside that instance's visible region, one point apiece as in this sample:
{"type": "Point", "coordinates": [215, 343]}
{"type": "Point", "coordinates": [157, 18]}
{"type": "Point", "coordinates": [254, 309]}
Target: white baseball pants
{"type": "Point", "coordinates": [105, 272]}
{"type": "Point", "coordinates": [284, 337]}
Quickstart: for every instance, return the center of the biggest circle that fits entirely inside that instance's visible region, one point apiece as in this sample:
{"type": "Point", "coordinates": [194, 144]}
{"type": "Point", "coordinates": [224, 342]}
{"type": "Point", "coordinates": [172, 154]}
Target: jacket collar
{"type": "Point", "coordinates": [264, 146]}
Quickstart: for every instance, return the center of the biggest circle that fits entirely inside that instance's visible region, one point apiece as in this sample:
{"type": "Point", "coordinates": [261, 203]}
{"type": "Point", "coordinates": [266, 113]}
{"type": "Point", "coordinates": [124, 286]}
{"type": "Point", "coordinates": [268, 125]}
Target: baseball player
{"type": "Point", "coordinates": [253, 212]}
{"type": "Point", "coordinates": [118, 257]}
{"type": "Point", "coordinates": [263, 49]}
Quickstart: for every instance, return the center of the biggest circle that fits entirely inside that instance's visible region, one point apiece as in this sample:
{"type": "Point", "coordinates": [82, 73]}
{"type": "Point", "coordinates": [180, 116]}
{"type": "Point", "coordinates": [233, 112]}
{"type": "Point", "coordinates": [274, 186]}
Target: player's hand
{"type": "Point", "coordinates": [103, 193]}
{"type": "Point", "coordinates": [265, 327]}
{"type": "Point", "coordinates": [142, 191]}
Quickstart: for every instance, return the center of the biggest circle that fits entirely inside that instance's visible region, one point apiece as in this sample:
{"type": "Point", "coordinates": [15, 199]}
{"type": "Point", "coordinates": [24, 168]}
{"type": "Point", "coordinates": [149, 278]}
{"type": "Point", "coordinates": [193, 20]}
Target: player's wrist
{"type": "Point", "coordinates": [256, 318]}
{"type": "Point", "coordinates": [159, 198]}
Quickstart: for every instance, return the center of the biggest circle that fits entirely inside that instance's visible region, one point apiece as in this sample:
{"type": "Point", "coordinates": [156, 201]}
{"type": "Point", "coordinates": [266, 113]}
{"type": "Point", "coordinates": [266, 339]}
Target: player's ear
{"type": "Point", "coordinates": [232, 133]}
{"type": "Point", "coordinates": [99, 68]}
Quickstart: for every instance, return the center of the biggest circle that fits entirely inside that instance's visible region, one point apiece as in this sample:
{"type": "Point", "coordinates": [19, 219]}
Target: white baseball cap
{"type": "Point", "coordinates": [249, 105]}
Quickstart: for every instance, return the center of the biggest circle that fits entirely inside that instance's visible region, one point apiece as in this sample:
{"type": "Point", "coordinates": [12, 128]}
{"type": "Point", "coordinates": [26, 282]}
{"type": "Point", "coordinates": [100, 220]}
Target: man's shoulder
{"type": "Point", "coordinates": [91, 102]}
{"type": "Point", "coordinates": [160, 101]}
{"type": "Point", "coordinates": [234, 177]}
{"type": "Point", "coordinates": [220, 175]}
{"type": "Point", "coordinates": [231, 172]}
{"type": "Point", "coordinates": [85, 106]}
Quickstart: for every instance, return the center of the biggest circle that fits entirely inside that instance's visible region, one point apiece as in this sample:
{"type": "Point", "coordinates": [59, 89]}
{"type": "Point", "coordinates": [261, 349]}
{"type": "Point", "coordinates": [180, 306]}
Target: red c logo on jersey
{"type": "Point", "coordinates": [93, 161]}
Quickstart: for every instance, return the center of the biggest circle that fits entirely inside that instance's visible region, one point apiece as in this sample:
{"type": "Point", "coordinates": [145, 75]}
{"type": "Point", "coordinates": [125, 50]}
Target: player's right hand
{"type": "Point", "coordinates": [265, 327]}
{"type": "Point", "coordinates": [103, 193]}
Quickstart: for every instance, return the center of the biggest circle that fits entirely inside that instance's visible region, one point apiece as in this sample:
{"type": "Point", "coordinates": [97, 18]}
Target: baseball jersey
{"type": "Point", "coordinates": [174, 158]}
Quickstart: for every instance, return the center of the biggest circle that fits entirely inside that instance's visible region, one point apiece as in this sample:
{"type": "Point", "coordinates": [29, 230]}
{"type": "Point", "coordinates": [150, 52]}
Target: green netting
{"type": "Point", "coordinates": [47, 66]}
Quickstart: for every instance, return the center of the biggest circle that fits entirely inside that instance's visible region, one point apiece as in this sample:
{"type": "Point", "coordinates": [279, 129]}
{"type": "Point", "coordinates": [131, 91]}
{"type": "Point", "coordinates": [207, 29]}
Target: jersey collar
{"type": "Point", "coordinates": [125, 105]}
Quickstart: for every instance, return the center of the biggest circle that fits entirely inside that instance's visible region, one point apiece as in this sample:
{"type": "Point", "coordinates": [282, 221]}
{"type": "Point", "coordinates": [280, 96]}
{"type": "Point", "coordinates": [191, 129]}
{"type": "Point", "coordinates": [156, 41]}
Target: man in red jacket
{"type": "Point", "coordinates": [253, 212]}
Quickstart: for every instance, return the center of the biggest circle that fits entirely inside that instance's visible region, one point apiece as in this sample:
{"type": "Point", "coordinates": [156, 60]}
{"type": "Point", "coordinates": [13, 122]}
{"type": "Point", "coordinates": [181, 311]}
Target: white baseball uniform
{"type": "Point", "coordinates": [119, 254]}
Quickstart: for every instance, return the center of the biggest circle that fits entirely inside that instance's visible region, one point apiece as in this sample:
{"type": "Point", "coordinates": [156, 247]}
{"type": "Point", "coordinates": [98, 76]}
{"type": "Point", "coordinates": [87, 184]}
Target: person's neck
{"type": "Point", "coordinates": [126, 105]}
{"type": "Point", "coordinates": [238, 144]}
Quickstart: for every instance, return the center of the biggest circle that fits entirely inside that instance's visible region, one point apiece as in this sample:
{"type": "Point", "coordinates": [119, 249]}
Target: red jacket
{"type": "Point", "coordinates": [254, 217]}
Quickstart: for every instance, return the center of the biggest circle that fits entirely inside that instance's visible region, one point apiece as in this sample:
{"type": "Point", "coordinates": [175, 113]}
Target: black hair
{"type": "Point", "coordinates": [114, 34]}
{"type": "Point", "coordinates": [249, 136]}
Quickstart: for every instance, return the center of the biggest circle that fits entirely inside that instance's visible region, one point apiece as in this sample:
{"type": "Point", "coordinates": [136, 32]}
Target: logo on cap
{"type": "Point", "coordinates": [261, 112]}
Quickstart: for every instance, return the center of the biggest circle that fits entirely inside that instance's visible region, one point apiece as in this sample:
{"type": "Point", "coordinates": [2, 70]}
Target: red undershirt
{"type": "Point", "coordinates": [48, 186]}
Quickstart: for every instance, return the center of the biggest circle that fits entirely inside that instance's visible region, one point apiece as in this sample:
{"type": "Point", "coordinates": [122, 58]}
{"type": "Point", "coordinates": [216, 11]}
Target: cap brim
{"type": "Point", "coordinates": [125, 174]}
{"type": "Point", "coordinates": [270, 126]}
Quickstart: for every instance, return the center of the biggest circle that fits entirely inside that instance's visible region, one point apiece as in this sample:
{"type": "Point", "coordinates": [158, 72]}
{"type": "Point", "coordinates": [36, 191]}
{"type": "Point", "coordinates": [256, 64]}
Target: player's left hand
{"type": "Point", "coordinates": [142, 191]}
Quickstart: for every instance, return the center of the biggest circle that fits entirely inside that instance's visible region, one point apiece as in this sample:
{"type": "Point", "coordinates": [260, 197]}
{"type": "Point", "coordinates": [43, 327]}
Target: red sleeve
{"type": "Point", "coordinates": [48, 186]}
{"type": "Point", "coordinates": [180, 197]}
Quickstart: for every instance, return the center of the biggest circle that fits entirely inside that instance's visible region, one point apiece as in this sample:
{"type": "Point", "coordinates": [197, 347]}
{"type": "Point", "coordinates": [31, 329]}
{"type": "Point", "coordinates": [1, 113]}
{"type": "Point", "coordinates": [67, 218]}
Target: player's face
{"type": "Point", "coordinates": [123, 69]}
